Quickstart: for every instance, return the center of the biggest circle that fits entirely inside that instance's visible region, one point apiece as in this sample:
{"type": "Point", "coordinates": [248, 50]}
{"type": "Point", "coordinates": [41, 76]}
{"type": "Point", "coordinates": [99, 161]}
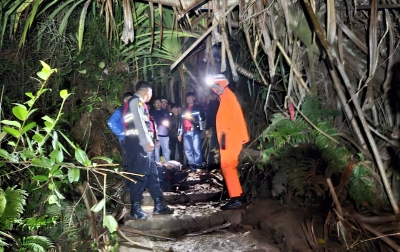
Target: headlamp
{"type": "Point", "coordinates": [210, 80]}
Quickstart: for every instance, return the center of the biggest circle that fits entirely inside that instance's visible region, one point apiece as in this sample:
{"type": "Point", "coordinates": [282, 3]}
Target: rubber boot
{"type": "Point", "coordinates": [136, 211]}
{"type": "Point", "coordinates": [161, 208]}
{"type": "Point", "coordinates": [232, 204]}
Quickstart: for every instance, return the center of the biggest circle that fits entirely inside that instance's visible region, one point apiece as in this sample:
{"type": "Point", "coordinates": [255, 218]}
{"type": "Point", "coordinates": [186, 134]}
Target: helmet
{"type": "Point", "coordinates": [219, 79]}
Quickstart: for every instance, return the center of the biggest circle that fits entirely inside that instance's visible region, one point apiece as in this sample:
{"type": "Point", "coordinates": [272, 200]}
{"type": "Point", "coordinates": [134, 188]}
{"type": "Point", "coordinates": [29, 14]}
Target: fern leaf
{"type": "Point", "coordinates": [36, 243]}
{"type": "Point", "coordinates": [360, 186]}
{"type": "Point", "coordinates": [16, 200]}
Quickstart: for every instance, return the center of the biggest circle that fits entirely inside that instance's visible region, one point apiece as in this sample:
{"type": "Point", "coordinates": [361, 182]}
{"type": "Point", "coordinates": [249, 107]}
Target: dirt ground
{"type": "Point", "coordinates": [263, 225]}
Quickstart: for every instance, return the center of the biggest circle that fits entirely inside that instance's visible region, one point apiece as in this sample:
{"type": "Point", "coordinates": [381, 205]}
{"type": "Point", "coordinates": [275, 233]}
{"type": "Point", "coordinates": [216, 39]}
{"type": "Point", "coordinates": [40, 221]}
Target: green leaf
{"type": "Point", "coordinates": [28, 127]}
{"type": "Point", "coordinates": [46, 67]}
{"type": "Point", "coordinates": [38, 137]}
{"type": "Point", "coordinates": [20, 112]}
{"type": "Point", "coordinates": [4, 153]}
{"type": "Point", "coordinates": [82, 71]}
{"type": "Point", "coordinates": [260, 167]}
{"type": "Point", "coordinates": [42, 162]}
{"type": "Point", "coordinates": [111, 223]}
{"type": "Point", "coordinates": [2, 135]}
{"type": "Point", "coordinates": [30, 95]}
{"type": "Point", "coordinates": [55, 140]}
{"type": "Point", "coordinates": [48, 119]}
{"type": "Point", "coordinates": [40, 178]}
{"type": "Point", "coordinates": [59, 195]}
{"type": "Point", "coordinates": [12, 123]}
{"type": "Point", "coordinates": [44, 76]}
{"type": "Point", "coordinates": [53, 199]}
{"type": "Point", "coordinates": [26, 154]}
{"type": "Point", "coordinates": [12, 131]}
{"type": "Point", "coordinates": [108, 160]}
{"type": "Point", "coordinates": [57, 155]}
{"type": "Point", "coordinates": [64, 93]}
{"type": "Point", "coordinates": [81, 156]}
{"type": "Point", "coordinates": [67, 139]}
{"type": "Point", "coordinates": [73, 175]}
{"type": "Point", "coordinates": [96, 208]}
{"type": "Point", "coordinates": [102, 65]}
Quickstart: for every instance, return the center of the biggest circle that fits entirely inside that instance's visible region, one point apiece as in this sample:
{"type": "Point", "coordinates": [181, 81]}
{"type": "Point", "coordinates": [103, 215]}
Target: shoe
{"type": "Point", "coordinates": [232, 204]}
{"type": "Point", "coordinates": [160, 207]}
{"type": "Point", "coordinates": [136, 211]}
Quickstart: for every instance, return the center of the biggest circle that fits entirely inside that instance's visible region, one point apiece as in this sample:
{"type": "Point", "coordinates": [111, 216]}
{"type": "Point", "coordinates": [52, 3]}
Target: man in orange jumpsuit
{"type": "Point", "coordinates": [232, 134]}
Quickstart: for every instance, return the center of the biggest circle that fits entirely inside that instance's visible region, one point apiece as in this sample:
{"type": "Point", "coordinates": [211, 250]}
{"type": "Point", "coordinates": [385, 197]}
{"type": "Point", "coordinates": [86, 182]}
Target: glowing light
{"type": "Point", "coordinates": [209, 80]}
{"type": "Point", "coordinates": [165, 123]}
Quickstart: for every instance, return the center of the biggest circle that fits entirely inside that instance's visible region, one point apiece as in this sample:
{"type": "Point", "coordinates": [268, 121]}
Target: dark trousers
{"type": "Point", "coordinates": [141, 162]}
{"type": "Point", "coordinates": [173, 143]}
{"type": "Point", "coordinates": [212, 148]}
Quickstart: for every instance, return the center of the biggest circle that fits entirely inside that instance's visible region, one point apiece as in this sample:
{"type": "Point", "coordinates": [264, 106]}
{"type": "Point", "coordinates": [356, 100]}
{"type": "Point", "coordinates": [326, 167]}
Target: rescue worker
{"type": "Point", "coordinates": [232, 134]}
{"type": "Point", "coordinates": [140, 145]}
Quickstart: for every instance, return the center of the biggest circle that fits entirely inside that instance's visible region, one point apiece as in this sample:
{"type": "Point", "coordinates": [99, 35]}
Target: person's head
{"type": "Point", "coordinates": [174, 109]}
{"type": "Point", "coordinates": [164, 103]}
{"type": "Point", "coordinates": [179, 109]}
{"type": "Point", "coordinates": [190, 98]}
{"type": "Point", "coordinates": [157, 104]}
{"type": "Point", "coordinates": [144, 89]}
{"type": "Point", "coordinates": [219, 83]}
{"type": "Point", "coordinates": [127, 96]}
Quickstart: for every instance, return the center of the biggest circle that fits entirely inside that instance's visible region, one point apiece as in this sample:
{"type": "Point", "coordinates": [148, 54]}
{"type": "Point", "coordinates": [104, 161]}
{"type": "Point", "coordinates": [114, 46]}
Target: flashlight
{"type": "Point", "coordinates": [165, 123]}
{"type": "Point", "coordinates": [188, 115]}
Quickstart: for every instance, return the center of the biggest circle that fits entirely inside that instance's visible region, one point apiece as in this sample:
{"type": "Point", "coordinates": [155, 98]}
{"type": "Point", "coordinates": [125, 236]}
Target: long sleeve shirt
{"type": "Point", "coordinates": [141, 120]}
{"type": "Point", "coordinates": [230, 121]}
{"type": "Point", "coordinates": [159, 117]}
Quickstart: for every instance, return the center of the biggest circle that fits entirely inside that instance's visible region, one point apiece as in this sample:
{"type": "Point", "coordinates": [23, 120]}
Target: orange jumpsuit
{"type": "Point", "coordinates": [231, 122]}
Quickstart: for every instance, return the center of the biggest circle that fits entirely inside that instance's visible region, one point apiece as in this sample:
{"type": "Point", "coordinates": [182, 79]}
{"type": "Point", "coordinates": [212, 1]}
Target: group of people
{"type": "Point", "coordinates": [180, 129]}
{"type": "Point", "coordinates": [142, 133]}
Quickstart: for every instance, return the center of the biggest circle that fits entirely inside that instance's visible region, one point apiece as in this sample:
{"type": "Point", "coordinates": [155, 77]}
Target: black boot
{"type": "Point", "coordinates": [160, 207]}
{"type": "Point", "coordinates": [232, 204]}
{"type": "Point", "coordinates": [136, 211]}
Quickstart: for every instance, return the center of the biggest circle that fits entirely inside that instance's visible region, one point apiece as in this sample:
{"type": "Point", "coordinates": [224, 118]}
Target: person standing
{"type": "Point", "coordinates": [232, 134]}
{"type": "Point", "coordinates": [161, 118]}
{"type": "Point", "coordinates": [175, 119]}
{"type": "Point", "coordinates": [193, 115]}
{"type": "Point", "coordinates": [211, 132]}
{"type": "Point", "coordinates": [117, 127]}
{"type": "Point", "coordinates": [140, 146]}
{"type": "Point", "coordinates": [164, 104]}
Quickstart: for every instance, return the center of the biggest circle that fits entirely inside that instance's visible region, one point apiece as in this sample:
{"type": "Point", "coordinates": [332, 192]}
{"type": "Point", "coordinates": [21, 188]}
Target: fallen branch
{"type": "Point", "coordinates": [210, 230]}
{"type": "Point", "coordinates": [138, 232]}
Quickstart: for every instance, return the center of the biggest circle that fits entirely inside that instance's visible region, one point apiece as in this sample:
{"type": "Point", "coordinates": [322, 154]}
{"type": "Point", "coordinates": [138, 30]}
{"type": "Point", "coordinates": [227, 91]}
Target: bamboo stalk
{"type": "Point", "coordinates": [332, 55]}
{"type": "Point", "coordinates": [190, 49]}
{"type": "Point", "coordinates": [296, 72]}
{"type": "Point", "coordinates": [264, 81]}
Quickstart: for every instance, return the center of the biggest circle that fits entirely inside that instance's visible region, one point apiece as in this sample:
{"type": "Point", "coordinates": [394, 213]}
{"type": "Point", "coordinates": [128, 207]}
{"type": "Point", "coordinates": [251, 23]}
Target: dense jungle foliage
{"type": "Point", "coordinates": [317, 82]}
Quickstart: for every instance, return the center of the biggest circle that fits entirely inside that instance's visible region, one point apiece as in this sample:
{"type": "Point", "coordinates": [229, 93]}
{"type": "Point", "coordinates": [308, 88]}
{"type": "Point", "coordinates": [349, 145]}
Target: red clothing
{"type": "Point", "coordinates": [187, 124]}
{"type": "Point", "coordinates": [230, 121]}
